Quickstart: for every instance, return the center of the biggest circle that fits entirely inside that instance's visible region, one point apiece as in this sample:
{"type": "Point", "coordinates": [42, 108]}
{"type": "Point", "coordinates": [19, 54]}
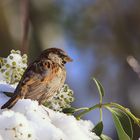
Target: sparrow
{"type": "Point", "coordinates": [42, 78]}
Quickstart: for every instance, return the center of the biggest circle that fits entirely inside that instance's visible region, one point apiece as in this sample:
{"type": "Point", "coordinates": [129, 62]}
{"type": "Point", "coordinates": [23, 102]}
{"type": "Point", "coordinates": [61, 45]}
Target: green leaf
{"type": "Point", "coordinates": [98, 129]}
{"type": "Point", "coordinates": [9, 94]}
{"type": "Point", "coordinates": [99, 87]}
{"type": "Point", "coordinates": [69, 110]}
{"type": "Point", "coordinates": [104, 137]}
{"type": "Point", "coordinates": [122, 123]}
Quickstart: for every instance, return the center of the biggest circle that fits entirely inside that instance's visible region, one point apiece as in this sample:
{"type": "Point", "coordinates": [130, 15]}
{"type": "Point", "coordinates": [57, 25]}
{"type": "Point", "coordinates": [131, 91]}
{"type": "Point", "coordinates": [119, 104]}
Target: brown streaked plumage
{"type": "Point", "coordinates": [42, 78]}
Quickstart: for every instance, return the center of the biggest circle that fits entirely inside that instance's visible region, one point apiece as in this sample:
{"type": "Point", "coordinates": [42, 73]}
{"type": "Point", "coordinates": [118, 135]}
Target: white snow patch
{"type": "Point", "coordinates": [29, 121]}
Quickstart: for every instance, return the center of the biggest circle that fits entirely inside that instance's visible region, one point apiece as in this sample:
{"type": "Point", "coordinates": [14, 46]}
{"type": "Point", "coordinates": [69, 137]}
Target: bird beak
{"type": "Point", "coordinates": [68, 59]}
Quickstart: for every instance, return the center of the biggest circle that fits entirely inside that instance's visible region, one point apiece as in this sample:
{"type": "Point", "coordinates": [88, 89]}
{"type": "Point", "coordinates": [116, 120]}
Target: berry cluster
{"type": "Point", "coordinates": [62, 99]}
{"type": "Point", "coordinates": [13, 67]}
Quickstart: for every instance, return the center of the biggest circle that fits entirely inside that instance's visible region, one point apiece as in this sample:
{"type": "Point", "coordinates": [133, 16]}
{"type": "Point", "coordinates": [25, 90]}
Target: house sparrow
{"type": "Point", "coordinates": [42, 79]}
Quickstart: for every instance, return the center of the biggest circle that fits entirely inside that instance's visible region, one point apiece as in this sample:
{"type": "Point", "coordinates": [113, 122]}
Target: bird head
{"type": "Point", "coordinates": [56, 55]}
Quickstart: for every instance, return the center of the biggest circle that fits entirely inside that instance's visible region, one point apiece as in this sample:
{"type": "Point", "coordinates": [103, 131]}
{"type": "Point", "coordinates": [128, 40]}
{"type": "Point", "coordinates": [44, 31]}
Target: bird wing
{"type": "Point", "coordinates": [36, 80]}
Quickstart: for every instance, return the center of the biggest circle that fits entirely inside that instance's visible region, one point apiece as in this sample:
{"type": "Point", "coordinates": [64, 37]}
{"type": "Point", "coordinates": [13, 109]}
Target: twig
{"type": "Point", "coordinates": [25, 25]}
{"type": "Point", "coordinates": [107, 105]}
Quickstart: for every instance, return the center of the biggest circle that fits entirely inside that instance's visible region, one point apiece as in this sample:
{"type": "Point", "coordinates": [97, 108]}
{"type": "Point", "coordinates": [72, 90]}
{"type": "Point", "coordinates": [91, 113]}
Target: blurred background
{"type": "Point", "coordinates": [102, 36]}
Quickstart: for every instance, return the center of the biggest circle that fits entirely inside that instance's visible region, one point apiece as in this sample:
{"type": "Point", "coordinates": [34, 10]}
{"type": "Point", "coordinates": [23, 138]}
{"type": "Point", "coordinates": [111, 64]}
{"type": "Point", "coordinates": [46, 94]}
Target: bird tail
{"type": "Point", "coordinates": [11, 102]}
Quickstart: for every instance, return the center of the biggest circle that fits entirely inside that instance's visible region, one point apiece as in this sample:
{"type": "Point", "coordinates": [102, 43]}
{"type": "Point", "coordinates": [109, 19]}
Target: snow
{"type": "Point", "coordinates": [29, 121]}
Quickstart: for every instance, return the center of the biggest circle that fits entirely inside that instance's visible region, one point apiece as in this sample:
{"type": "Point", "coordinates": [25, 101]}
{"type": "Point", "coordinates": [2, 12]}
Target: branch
{"type": "Point", "coordinates": [25, 25]}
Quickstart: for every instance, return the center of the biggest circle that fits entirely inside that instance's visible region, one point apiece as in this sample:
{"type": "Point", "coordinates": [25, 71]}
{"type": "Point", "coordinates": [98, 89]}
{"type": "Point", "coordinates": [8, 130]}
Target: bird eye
{"type": "Point", "coordinates": [64, 62]}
